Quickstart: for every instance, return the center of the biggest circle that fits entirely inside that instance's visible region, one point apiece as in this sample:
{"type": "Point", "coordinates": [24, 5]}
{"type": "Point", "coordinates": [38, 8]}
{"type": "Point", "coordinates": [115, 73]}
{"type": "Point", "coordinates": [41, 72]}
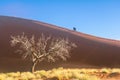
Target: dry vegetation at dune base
{"type": "Point", "coordinates": [64, 74]}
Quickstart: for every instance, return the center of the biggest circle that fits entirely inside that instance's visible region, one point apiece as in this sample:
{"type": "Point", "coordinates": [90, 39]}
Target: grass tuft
{"type": "Point", "coordinates": [62, 74]}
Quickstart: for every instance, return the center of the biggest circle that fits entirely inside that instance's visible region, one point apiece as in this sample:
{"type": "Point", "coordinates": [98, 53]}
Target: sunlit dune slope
{"type": "Point", "coordinates": [91, 50]}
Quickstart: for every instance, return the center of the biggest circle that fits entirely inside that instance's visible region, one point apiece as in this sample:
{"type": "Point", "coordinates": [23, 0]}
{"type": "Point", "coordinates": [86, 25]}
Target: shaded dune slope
{"type": "Point", "coordinates": [91, 50]}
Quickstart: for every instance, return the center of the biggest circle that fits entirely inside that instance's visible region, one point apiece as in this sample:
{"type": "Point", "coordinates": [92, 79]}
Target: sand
{"type": "Point", "coordinates": [91, 51]}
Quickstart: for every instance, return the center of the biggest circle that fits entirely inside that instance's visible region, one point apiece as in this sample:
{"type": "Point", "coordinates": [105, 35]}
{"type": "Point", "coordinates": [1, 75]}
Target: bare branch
{"type": "Point", "coordinates": [45, 48]}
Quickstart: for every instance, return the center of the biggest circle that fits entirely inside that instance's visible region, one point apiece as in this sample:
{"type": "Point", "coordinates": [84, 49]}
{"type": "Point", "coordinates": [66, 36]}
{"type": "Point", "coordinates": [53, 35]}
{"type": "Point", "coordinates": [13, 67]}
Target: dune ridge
{"type": "Point", "coordinates": [92, 51]}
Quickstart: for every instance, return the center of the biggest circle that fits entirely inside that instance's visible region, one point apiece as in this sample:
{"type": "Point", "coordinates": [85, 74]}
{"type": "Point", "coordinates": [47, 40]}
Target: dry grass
{"type": "Point", "coordinates": [63, 74]}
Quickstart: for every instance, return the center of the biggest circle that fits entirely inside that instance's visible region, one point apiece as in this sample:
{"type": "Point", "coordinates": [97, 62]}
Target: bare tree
{"type": "Point", "coordinates": [44, 48]}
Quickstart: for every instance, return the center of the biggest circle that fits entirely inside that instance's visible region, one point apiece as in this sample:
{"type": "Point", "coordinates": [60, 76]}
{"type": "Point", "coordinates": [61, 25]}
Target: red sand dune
{"type": "Point", "coordinates": [91, 50]}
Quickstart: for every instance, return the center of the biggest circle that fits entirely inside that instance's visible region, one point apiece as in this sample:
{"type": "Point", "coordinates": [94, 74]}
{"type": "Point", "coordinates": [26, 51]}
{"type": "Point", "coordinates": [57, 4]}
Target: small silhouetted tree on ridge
{"type": "Point", "coordinates": [44, 48]}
